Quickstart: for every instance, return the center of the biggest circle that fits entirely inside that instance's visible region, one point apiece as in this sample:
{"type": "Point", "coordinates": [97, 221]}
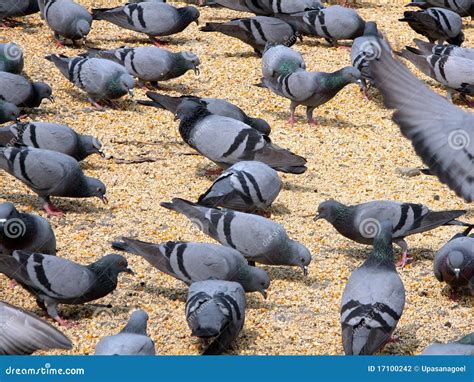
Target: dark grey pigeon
{"type": "Point", "coordinates": [226, 141]}
{"type": "Point", "coordinates": [11, 58]}
{"type": "Point", "coordinates": [8, 112]}
{"type": "Point", "coordinates": [361, 222]}
{"type": "Point", "coordinates": [25, 232]}
{"type": "Point", "coordinates": [23, 333]}
{"type": "Point", "coordinates": [132, 339]}
{"type": "Point", "coordinates": [333, 23]}
{"type": "Point", "coordinates": [54, 280]}
{"type": "Point", "coordinates": [215, 310]}
{"type": "Point", "coordinates": [102, 80]}
{"type": "Point", "coordinates": [436, 24]}
{"type": "Point", "coordinates": [311, 89]}
{"type": "Point", "coordinates": [463, 346]}
{"type": "Point", "coordinates": [270, 7]}
{"type": "Point", "coordinates": [454, 262]}
{"type": "Point", "coordinates": [49, 173]}
{"type": "Point", "coordinates": [256, 31]}
{"type": "Point", "coordinates": [441, 133]}
{"type": "Point", "coordinates": [66, 18]}
{"type": "Point", "coordinates": [257, 238]}
{"type": "Point", "coordinates": [461, 7]}
{"type": "Point", "coordinates": [214, 105]}
{"type": "Point", "coordinates": [191, 262]}
{"type": "Point", "coordinates": [280, 60]}
{"type": "Point", "coordinates": [245, 186]}
{"type": "Point", "coordinates": [17, 8]}
{"type": "Point", "coordinates": [373, 299]}
{"type": "Point", "coordinates": [428, 48]}
{"type": "Point", "coordinates": [150, 63]}
{"type": "Point", "coordinates": [50, 136]}
{"type": "Point", "coordinates": [152, 18]}
{"type": "Point", "coordinates": [21, 92]}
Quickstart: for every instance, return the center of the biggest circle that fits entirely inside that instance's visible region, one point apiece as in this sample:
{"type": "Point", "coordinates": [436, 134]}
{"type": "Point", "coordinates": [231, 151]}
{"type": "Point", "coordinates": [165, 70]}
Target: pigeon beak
{"type": "Point", "coordinates": [175, 117]}
{"type": "Point", "coordinates": [305, 270]}
{"type": "Point", "coordinates": [17, 120]}
{"type": "Point", "coordinates": [2, 223]}
{"type": "Point", "coordinates": [101, 153]}
{"type": "Point", "coordinates": [456, 273]}
{"type": "Point", "coordinates": [130, 272]}
{"type": "Point", "coordinates": [51, 98]}
{"type": "Point", "coordinates": [197, 72]}
{"type": "Point", "coordinates": [300, 36]}
{"type": "Point", "coordinates": [104, 199]}
{"type": "Point", "coordinates": [197, 22]}
{"type": "Point", "coordinates": [263, 292]}
{"type": "Point", "coordinates": [131, 93]}
{"type": "Point", "coordinates": [317, 217]}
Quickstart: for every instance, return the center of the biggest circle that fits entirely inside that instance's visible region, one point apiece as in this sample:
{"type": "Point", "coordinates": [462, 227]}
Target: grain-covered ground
{"type": "Point", "coordinates": [353, 156]}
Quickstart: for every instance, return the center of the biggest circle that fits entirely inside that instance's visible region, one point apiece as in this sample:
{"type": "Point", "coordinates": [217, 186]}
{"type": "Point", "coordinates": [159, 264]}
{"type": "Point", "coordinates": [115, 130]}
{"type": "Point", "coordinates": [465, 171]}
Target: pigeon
{"type": "Point", "coordinates": [66, 18]}
{"type": "Point", "coordinates": [50, 136]}
{"type": "Point", "coordinates": [270, 7]}
{"type": "Point", "coordinates": [333, 23]}
{"type": "Point", "coordinates": [461, 7]}
{"type": "Point", "coordinates": [101, 79]}
{"type": "Point", "coordinates": [245, 186]}
{"type": "Point", "coordinates": [463, 346]}
{"type": "Point", "coordinates": [214, 105]}
{"type": "Point", "coordinates": [428, 48]}
{"type": "Point", "coordinates": [151, 18]}
{"type": "Point", "coordinates": [150, 63]}
{"type": "Point", "coordinates": [132, 339]}
{"type": "Point", "coordinates": [23, 93]}
{"type": "Point", "coordinates": [54, 280]}
{"type": "Point", "coordinates": [226, 141]}
{"type": "Point", "coordinates": [454, 262]}
{"type": "Point", "coordinates": [191, 262]}
{"type": "Point", "coordinates": [455, 73]}
{"type": "Point", "coordinates": [373, 299]}
{"type": "Point", "coordinates": [23, 333]}
{"type": "Point", "coordinates": [24, 231]}
{"type": "Point", "coordinates": [215, 309]}
{"type": "Point", "coordinates": [259, 239]}
{"type": "Point", "coordinates": [8, 112]}
{"type": "Point", "coordinates": [49, 173]}
{"type": "Point", "coordinates": [280, 60]}
{"type": "Point", "coordinates": [257, 31]}
{"type": "Point", "coordinates": [17, 8]}
{"type": "Point", "coordinates": [311, 89]}
{"type": "Point", "coordinates": [11, 58]}
{"type": "Point", "coordinates": [441, 133]}
{"type": "Point", "coordinates": [361, 222]}
{"type": "Point", "coordinates": [436, 24]}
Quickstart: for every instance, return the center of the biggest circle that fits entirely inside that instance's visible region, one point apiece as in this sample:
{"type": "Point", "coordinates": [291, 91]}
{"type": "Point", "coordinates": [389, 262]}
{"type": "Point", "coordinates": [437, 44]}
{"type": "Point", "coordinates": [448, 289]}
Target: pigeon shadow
{"type": "Point", "coordinates": [121, 104]}
{"type": "Point", "coordinates": [406, 343]}
{"type": "Point", "coordinates": [279, 209]}
{"type": "Point", "coordinates": [463, 299]}
{"type": "Point", "coordinates": [285, 273]}
{"type": "Point", "coordinates": [246, 340]}
{"type": "Point", "coordinates": [172, 294]}
{"type": "Point", "coordinates": [245, 54]}
{"type": "Point", "coordinates": [287, 186]}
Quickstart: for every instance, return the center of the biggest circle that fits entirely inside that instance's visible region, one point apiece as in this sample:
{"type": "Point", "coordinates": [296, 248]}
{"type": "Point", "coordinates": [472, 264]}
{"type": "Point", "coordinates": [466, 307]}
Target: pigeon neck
{"type": "Point", "coordinates": [189, 121]}
{"type": "Point", "coordinates": [107, 278]}
{"type": "Point", "coordinates": [336, 80]}
{"type": "Point", "coordinates": [135, 327]}
{"type": "Point", "coordinates": [181, 65]}
{"type": "Point", "coordinates": [383, 250]}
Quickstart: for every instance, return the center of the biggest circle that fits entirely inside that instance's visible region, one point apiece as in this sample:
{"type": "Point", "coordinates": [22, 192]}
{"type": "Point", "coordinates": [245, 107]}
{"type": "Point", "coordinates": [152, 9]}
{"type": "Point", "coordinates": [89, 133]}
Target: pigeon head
{"type": "Point", "coordinates": [89, 145]}
{"type": "Point", "coordinates": [191, 108]}
{"type": "Point", "coordinates": [81, 29]}
{"type": "Point", "coordinates": [111, 266]}
{"type": "Point", "coordinates": [330, 210]}
{"type": "Point", "coordinates": [9, 112]}
{"type": "Point", "coordinates": [8, 211]}
{"type": "Point", "coordinates": [189, 15]}
{"type": "Point", "coordinates": [261, 125]}
{"type": "Point", "coordinates": [299, 255]}
{"type": "Point", "coordinates": [137, 323]}
{"type": "Point", "coordinates": [127, 83]}
{"type": "Point", "coordinates": [42, 91]}
{"type": "Point", "coordinates": [254, 279]}
{"type": "Point", "coordinates": [191, 61]}
{"type": "Point", "coordinates": [351, 74]}
{"type": "Point", "coordinates": [96, 188]}
{"type": "Point", "coordinates": [455, 262]}
{"type": "Point", "coordinates": [371, 29]}
{"type": "Point", "coordinates": [458, 40]}
{"type": "Point", "coordinates": [207, 320]}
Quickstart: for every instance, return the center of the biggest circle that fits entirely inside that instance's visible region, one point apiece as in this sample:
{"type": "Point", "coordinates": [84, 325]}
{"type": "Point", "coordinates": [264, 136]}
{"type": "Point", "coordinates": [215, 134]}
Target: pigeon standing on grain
{"type": "Point", "coordinates": [373, 299]}
{"type": "Point", "coordinates": [54, 280]}
{"type": "Point", "coordinates": [259, 239]}
{"type": "Point", "coordinates": [25, 232]}
{"type": "Point", "coordinates": [23, 333]}
{"type": "Point", "coordinates": [215, 310]}
{"type": "Point", "coordinates": [428, 48]}
{"type": "Point", "coordinates": [49, 173]}
{"type": "Point", "coordinates": [191, 262]}
{"type": "Point", "coordinates": [280, 60]}
{"type": "Point", "coordinates": [23, 93]}
{"type": "Point", "coordinates": [50, 136]}
{"type": "Point", "coordinates": [270, 7]}
{"type": "Point", "coordinates": [214, 105]}
{"type": "Point", "coordinates": [463, 346]}
{"type": "Point", "coordinates": [11, 58]}
{"type": "Point", "coordinates": [102, 80]}
{"type": "Point", "coordinates": [461, 7]}
{"type": "Point", "coordinates": [17, 8]}
{"type": "Point", "coordinates": [132, 339]}
{"type": "Point", "coordinates": [361, 222]}
{"type": "Point", "coordinates": [8, 112]}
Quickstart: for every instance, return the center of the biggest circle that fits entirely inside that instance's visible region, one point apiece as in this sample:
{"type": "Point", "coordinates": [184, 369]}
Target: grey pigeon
{"type": "Point", "coordinates": [441, 133]}
{"type": "Point", "coordinates": [226, 141]}
{"type": "Point", "coordinates": [428, 48]}
{"type": "Point", "coordinates": [334, 23]}
{"type": "Point", "coordinates": [17, 8]}
{"type": "Point", "coordinates": [436, 24]}
{"type": "Point", "coordinates": [54, 280]}
{"type": "Point", "coordinates": [66, 18]}
{"type": "Point", "coordinates": [102, 80]}
{"type": "Point", "coordinates": [11, 58]}
{"type": "Point", "coordinates": [214, 105]}
{"type": "Point", "coordinates": [461, 7]}
{"type": "Point", "coordinates": [270, 7]}
{"type": "Point", "coordinates": [150, 63]}
{"type": "Point", "coordinates": [361, 222]}
{"type": "Point", "coordinates": [8, 112]}
{"type": "Point", "coordinates": [151, 18]}
{"type": "Point", "coordinates": [463, 346]}
{"type": "Point", "coordinates": [215, 310]}
{"type": "Point", "coordinates": [280, 60]}
{"type": "Point", "coordinates": [24, 231]}
{"type": "Point", "coordinates": [256, 31]}
{"type": "Point", "coordinates": [22, 332]}
{"type": "Point", "coordinates": [50, 136]}
{"type": "Point", "coordinates": [21, 92]}
{"type": "Point", "coordinates": [191, 262]}
{"type": "Point", "coordinates": [245, 186]}
{"type": "Point", "coordinates": [132, 339]}
{"type": "Point", "coordinates": [257, 238]}
{"type": "Point", "coordinates": [455, 73]}
{"type": "Point", "coordinates": [49, 173]}
{"type": "Point", "coordinates": [373, 299]}
{"type": "Point", "coordinates": [454, 262]}
{"type": "Point", "coordinates": [311, 89]}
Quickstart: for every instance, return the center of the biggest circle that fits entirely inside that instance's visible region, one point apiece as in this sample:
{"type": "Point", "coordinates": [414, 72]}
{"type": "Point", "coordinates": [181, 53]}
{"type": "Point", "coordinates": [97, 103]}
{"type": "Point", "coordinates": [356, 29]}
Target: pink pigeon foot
{"type": "Point", "coordinates": [12, 284]}
{"type": "Point", "coordinates": [292, 120]}
{"type": "Point", "coordinates": [51, 210]}
{"type": "Point", "coordinates": [213, 171]}
{"type": "Point", "coordinates": [312, 121]}
{"type": "Point", "coordinates": [63, 322]}
{"type": "Point", "coordinates": [454, 294]}
{"type": "Point", "coordinates": [404, 260]}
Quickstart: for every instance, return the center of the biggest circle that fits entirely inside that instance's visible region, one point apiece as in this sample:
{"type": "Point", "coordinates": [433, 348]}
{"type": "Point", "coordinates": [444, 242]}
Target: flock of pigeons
{"type": "Point", "coordinates": [46, 157]}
